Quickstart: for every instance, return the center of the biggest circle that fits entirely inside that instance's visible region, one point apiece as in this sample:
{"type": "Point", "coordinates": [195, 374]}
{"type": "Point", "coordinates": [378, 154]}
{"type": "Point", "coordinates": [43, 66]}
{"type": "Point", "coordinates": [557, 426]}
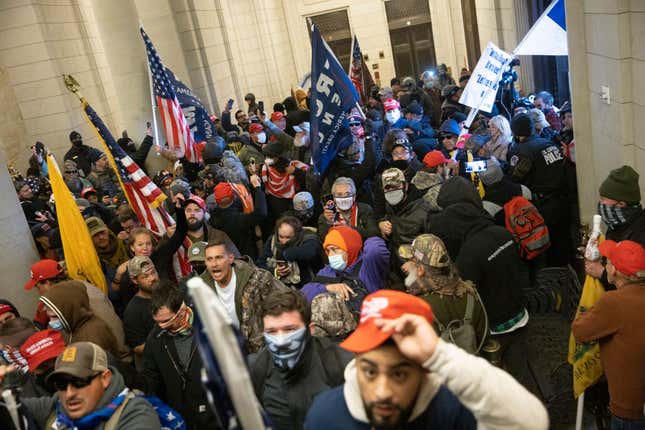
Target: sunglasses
{"type": "Point", "coordinates": [71, 172]}
{"type": "Point", "coordinates": [61, 383]}
{"type": "Point", "coordinates": [355, 124]}
{"type": "Point", "coordinates": [448, 136]}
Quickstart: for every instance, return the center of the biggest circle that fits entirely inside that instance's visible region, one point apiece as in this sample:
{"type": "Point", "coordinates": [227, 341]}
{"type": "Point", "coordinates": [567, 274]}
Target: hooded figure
{"type": "Point", "coordinates": [351, 259]}
{"type": "Point", "coordinates": [70, 304]}
{"type": "Point", "coordinates": [484, 253]}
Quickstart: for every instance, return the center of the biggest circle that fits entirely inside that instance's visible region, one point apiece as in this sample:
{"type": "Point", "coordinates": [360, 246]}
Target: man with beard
{"type": "Point", "coordinates": [109, 247]}
{"type": "Point", "coordinates": [433, 277]}
{"type": "Point", "coordinates": [137, 318]}
{"type": "Point", "coordinates": [81, 154]}
{"type": "Point", "coordinates": [405, 376]}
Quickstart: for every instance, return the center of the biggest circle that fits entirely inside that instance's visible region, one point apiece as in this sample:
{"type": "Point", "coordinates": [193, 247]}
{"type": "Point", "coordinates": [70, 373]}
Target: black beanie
{"type": "Point", "coordinates": [213, 150]}
{"type": "Point", "coordinates": [74, 135]}
{"type": "Point", "coordinates": [621, 185]}
{"type": "Point", "coordinates": [522, 125]}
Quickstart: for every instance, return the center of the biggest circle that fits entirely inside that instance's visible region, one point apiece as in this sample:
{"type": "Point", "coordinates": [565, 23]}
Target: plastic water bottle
{"type": "Point", "coordinates": [592, 253]}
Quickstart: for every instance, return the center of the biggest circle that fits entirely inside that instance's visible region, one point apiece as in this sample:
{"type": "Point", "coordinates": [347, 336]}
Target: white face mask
{"type": "Point", "coordinates": [393, 116]}
{"type": "Point", "coordinates": [262, 137]}
{"type": "Point", "coordinates": [395, 197]}
{"type": "Point", "coordinates": [344, 203]}
{"type": "Point", "coordinates": [337, 262]}
{"type": "Point", "coordinates": [301, 140]}
{"type": "Point", "coordinates": [269, 161]}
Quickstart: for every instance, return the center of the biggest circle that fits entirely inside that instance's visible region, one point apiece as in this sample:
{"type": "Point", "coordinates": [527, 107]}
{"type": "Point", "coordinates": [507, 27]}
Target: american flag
{"type": "Point", "coordinates": [144, 196]}
{"type": "Point", "coordinates": [174, 122]}
{"type": "Point", "coordinates": [359, 73]}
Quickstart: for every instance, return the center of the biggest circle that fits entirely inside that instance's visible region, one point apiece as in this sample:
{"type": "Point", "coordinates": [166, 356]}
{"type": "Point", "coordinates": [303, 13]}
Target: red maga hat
{"type": "Point", "coordinates": [628, 257]}
{"type": "Point", "coordinates": [387, 304]}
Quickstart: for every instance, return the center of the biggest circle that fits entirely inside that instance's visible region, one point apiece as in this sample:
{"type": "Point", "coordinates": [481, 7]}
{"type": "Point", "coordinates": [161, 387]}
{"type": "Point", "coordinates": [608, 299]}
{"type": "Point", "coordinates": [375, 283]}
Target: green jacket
{"type": "Point", "coordinates": [252, 286]}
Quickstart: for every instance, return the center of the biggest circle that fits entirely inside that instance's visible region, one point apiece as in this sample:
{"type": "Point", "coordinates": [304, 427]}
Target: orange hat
{"type": "Point", "coordinates": [276, 116]}
{"type": "Point", "coordinates": [43, 270]}
{"type": "Point", "coordinates": [434, 159]}
{"type": "Point", "coordinates": [387, 304]}
{"type": "Point", "coordinates": [347, 239]}
{"type": "Point", "coordinates": [224, 194]}
{"type": "Point", "coordinates": [628, 257]}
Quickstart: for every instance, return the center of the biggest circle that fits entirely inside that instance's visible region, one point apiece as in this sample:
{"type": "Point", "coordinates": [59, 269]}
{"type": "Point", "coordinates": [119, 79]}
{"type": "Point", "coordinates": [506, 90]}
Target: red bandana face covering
{"type": "Point", "coordinates": [181, 323]}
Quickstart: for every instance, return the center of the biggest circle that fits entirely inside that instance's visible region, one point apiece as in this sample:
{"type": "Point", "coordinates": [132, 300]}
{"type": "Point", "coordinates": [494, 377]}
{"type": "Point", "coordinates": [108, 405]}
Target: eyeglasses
{"type": "Point", "coordinates": [447, 136]}
{"type": "Point", "coordinates": [62, 382]}
{"type": "Point", "coordinates": [71, 172]}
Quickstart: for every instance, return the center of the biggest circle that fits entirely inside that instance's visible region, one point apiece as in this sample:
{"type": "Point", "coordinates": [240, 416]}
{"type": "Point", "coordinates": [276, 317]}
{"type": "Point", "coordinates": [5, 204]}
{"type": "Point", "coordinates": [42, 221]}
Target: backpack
{"type": "Point", "coordinates": [354, 282]}
{"type": "Point", "coordinates": [527, 226]}
{"type": "Point", "coordinates": [462, 332]}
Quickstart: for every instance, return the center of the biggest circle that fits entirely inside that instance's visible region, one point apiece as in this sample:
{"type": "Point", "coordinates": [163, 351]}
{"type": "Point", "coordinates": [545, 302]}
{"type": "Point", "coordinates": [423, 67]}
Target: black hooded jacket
{"type": "Point", "coordinates": [483, 252]}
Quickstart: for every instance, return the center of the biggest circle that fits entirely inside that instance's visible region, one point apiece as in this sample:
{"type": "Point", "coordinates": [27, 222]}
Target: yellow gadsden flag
{"type": "Point", "coordinates": [585, 357]}
{"type": "Point", "coordinates": [80, 256]}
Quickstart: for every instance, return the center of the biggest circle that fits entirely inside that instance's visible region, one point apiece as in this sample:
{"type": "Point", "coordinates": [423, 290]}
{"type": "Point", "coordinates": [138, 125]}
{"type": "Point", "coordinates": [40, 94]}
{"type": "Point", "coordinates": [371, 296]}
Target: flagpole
{"type": "Point", "coordinates": [154, 116]}
{"type": "Point", "coordinates": [581, 403]}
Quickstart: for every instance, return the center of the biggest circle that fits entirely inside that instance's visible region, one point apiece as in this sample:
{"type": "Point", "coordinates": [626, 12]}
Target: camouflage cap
{"type": "Point", "coordinates": [138, 265]}
{"type": "Point", "coordinates": [392, 177]}
{"type": "Point", "coordinates": [426, 249]}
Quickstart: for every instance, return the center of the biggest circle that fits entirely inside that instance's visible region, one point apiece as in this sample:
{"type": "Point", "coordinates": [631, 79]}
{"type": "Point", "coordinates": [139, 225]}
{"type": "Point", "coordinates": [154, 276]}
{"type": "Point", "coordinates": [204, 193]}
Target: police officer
{"type": "Point", "coordinates": [539, 164]}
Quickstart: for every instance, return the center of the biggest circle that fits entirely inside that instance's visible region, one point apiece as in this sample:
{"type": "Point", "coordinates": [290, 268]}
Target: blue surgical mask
{"type": "Point", "coordinates": [56, 324]}
{"type": "Point", "coordinates": [337, 262]}
{"type": "Point", "coordinates": [286, 348]}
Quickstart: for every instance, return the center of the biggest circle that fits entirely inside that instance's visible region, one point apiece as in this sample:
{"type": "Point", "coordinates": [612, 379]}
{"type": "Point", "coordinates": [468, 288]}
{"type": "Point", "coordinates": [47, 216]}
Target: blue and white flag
{"type": "Point", "coordinates": [195, 112]}
{"type": "Point", "coordinates": [332, 96]}
{"type": "Point", "coordinates": [226, 378]}
{"type": "Point", "coordinates": [548, 36]}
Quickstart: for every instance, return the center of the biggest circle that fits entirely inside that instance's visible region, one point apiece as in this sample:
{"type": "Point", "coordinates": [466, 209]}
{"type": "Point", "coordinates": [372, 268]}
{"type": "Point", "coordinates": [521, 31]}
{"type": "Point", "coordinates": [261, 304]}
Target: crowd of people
{"type": "Point", "coordinates": [364, 296]}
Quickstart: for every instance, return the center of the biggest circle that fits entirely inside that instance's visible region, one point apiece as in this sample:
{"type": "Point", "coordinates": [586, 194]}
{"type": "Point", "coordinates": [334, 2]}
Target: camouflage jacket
{"type": "Point", "coordinates": [252, 287]}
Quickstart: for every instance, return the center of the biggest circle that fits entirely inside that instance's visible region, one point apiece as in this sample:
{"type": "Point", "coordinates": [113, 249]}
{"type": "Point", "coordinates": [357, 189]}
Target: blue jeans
{"type": "Point", "coordinates": [623, 424]}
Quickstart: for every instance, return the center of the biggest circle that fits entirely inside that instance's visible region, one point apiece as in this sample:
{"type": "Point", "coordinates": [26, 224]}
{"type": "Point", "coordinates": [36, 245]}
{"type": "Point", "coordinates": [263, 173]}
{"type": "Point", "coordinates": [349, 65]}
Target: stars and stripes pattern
{"type": "Point", "coordinates": [359, 73]}
{"type": "Point", "coordinates": [174, 122]}
{"type": "Point", "coordinates": [143, 195]}
{"type": "Point", "coordinates": [281, 185]}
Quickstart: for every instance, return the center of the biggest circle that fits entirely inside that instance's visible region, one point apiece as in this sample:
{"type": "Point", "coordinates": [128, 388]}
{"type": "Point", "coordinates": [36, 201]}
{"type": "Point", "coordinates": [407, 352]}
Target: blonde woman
{"type": "Point", "coordinates": [500, 138]}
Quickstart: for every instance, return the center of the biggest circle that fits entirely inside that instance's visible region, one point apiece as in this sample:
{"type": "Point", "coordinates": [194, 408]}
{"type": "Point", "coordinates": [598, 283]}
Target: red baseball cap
{"type": "Point", "coordinates": [42, 346]}
{"type": "Point", "coordinates": [628, 257]}
{"type": "Point", "coordinates": [387, 304]}
{"type": "Point", "coordinates": [276, 116]}
{"type": "Point", "coordinates": [255, 127]}
{"type": "Point", "coordinates": [223, 193]}
{"type": "Point", "coordinates": [390, 104]}
{"type": "Point", "coordinates": [197, 200]}
{"type": "Point", "coordinates": [43, 270]}
{"type": "Point", "coordinates": [434, 158]}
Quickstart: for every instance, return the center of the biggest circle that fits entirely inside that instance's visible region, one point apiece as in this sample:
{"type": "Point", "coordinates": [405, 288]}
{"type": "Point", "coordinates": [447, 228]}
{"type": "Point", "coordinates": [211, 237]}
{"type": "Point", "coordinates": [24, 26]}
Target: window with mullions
{"type": "Point", "coordinates": [334, 28]}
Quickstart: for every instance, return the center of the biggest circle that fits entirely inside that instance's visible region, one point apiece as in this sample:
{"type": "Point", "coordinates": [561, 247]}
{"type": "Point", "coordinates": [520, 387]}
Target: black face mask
{"type": "Point", "coordinates": [400, 164]}
{"type": "Point", "coordinates": [77, 142]}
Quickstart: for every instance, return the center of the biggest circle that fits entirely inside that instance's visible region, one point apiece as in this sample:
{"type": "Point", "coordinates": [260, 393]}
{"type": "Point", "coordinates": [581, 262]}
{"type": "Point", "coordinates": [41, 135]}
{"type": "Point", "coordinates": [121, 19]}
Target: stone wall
{"type": "Point", "coordinates": [606, 49]}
